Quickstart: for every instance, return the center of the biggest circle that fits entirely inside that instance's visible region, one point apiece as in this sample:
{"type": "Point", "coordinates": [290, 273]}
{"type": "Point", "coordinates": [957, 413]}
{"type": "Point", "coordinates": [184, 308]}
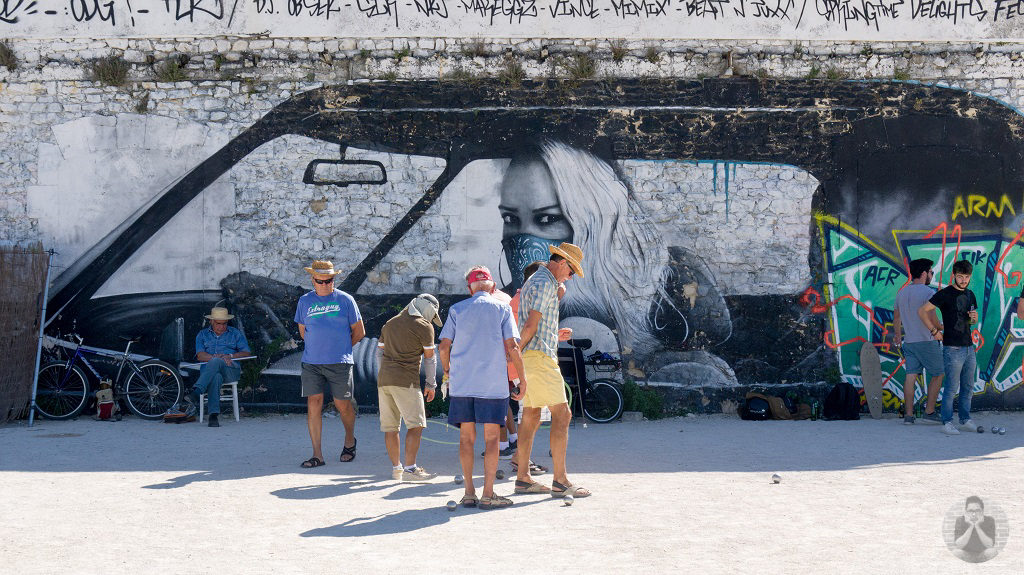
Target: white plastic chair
{"type": "Point", "coordinates": [231, 394]}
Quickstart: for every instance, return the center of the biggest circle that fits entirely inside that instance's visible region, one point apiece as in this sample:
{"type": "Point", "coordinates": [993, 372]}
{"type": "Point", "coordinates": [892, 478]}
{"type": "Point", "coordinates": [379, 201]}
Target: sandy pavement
{"type": "Point", "coordinates": [680, 495]}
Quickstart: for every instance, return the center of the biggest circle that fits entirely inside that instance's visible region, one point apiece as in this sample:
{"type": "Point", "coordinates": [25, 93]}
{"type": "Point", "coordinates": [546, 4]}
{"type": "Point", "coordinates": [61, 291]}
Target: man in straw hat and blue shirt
{"type": "Point", "coordinates": [538, 323]}
{"type": "Point", "coordinates": [330, 324]}
{"type": "Point", "coordinates": [479, 334]}
{"type": "Point", "coordinates": [216, 346]}
{"type": "Point", "coordinates": [405, 339]}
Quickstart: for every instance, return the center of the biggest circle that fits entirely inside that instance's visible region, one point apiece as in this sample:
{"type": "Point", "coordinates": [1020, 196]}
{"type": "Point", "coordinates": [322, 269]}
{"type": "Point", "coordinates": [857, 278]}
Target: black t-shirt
{"type": "Point", "coordinates": [955, 306]}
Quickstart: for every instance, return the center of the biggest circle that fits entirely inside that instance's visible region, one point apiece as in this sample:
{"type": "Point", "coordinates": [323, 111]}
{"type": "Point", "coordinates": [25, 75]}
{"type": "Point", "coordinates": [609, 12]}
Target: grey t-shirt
{"type": "Point", "coordinates": [908, 301]}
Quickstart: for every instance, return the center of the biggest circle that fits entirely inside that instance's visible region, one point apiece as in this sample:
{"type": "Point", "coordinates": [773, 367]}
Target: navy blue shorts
{"type": "Point", "coordinates": [476, 410]}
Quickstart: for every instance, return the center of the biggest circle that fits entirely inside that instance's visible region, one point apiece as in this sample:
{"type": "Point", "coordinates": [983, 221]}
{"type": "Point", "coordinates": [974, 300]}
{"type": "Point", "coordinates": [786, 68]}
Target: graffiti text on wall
{"type": "Point", "coordinates": [783, 19]}
{"type": "Point", "coordinates": [863, 280]}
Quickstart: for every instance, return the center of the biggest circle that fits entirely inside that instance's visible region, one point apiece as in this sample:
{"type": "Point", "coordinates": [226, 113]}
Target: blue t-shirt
{"type": "Point", "coordinates": [478, 328]}
{"type": "Point", "coordinates": [328, 322]}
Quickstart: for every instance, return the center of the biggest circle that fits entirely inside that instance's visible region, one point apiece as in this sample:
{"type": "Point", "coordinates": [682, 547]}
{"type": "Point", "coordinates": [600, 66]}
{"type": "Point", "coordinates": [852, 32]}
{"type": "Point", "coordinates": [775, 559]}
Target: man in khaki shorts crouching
{"type": "Point", "coordinates": [403, 340]}
{"type": "Point", "coordinates": [538, 321]}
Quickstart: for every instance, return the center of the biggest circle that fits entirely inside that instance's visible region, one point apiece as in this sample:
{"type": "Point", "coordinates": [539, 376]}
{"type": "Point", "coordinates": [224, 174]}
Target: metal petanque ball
{"type": "Point", "coordinates": [995, 429]}
{"type": "Point", "coordinates": [776, 478]}
{"type": "Point", "coordinates": [458, 479]}
{"type": "Point", "coordinates": [981, 429]}
{"type": "Point", "coordinates": [567, 500]}
{"type": "Point", "coordinates": [500, 474]}
{"type": "Point", "coordinates": [452, 505]}
{"type": "Point", "coordinates": [1002, 431]}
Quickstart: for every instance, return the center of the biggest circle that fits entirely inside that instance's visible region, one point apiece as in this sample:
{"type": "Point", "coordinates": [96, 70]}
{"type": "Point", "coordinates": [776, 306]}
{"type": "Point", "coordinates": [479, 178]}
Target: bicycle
{"type": "Point", "coordinates": [600, 400]}
{"type": "Point", "coordinates": [148, 387]}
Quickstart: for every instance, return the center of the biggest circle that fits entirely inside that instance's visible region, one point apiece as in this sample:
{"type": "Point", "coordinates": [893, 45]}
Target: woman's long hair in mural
{"type": "Point", "coordinates": [626, 261]}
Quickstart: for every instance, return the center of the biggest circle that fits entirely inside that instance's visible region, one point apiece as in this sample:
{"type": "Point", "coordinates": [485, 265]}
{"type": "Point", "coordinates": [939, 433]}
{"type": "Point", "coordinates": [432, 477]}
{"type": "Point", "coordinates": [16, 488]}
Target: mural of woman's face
{"type": "Point", "coordinates": [531, 215]}
{"type": "Point", "coordinates": [529, 204]}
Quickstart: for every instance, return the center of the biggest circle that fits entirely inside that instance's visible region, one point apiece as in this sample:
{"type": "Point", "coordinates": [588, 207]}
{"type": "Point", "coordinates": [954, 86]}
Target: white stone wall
{"type": "Point", "coordinates": [79, 157]}
{"type": "Point", "coordinates": [737, 19]}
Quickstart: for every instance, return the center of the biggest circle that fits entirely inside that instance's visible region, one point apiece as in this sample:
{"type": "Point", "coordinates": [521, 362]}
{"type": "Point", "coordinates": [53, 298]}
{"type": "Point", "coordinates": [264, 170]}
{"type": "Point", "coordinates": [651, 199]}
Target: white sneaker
{"type": "Point", "coordinates": [396, 473]}
{"type": "Point", "coordinates": [969, 425]}
{"type": "Point", "coordinates": [949, 429]}
{"type": "Point", "coordinates": [418, 474]}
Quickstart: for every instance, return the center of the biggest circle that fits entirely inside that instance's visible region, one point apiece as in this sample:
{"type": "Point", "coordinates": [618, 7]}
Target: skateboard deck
{"type": "Point", "coordinates": [871, 376]}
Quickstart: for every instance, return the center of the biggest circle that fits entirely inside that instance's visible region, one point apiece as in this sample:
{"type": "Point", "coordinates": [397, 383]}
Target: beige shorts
{"type": "Point", "coordinates": [401, 403]}
{"type": "Point", "coordinates": [544, 384]}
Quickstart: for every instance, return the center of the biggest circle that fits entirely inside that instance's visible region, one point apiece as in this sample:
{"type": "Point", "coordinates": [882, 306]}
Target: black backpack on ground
{"type": "Point", "coordinates": [843, 402]}
{"type": "Point", "coordinates": [755, 409]}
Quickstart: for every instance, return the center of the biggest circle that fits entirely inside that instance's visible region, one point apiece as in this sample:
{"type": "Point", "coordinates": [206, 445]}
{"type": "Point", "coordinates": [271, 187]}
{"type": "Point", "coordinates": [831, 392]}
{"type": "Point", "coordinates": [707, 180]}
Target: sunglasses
{"type": "Point", "coordinates": [324, 282]}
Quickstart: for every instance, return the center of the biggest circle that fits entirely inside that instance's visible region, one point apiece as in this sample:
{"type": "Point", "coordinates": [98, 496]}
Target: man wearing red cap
{"type": "Point", "coordinates": [479, 334]}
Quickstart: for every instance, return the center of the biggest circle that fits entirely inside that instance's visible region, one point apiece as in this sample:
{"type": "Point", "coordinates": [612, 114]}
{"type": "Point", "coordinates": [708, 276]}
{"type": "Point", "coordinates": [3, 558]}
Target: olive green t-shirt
{"type": "Point", "coordinates": [404, 338]}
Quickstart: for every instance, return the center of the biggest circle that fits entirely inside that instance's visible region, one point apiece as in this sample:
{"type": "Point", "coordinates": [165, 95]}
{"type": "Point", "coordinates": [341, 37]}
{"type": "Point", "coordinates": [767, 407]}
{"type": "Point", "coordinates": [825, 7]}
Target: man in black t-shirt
{"type": "Point", "coordinates": [959, 310]}
{"type": "Point", "coordinates": [974, 535]}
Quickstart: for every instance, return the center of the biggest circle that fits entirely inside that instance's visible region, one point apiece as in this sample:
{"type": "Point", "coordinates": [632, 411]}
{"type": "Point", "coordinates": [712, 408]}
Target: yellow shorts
{"type": "Point", "coordinates": [544, 384]}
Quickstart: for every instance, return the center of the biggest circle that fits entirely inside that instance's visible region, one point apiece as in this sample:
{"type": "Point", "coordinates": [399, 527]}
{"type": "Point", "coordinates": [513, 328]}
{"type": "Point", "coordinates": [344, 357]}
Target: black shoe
{"type": "Point", "coordinates": [213, 421]}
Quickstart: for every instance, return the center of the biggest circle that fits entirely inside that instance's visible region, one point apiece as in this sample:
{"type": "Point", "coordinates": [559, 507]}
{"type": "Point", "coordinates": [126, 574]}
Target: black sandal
{"type": "Point", "coordinates": [350, 451]}
{"type": "Point", "coordinates": [311, 463]}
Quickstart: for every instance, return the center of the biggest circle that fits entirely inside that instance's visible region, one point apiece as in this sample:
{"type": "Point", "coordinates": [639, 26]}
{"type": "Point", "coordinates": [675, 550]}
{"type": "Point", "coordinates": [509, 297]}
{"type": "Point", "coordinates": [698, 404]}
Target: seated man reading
{"type": "Point", "coordinates": [216, 347]}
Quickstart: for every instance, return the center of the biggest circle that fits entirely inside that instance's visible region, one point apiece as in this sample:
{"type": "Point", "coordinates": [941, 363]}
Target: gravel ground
{"type": "Point", "coordinates": [680, 495]}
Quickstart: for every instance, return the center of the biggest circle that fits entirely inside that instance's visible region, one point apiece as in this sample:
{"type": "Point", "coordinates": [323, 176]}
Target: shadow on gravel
{"type": "Point", "coordinates": [403, 521]}
{"type": "Point", "coordinates": [258, 447]}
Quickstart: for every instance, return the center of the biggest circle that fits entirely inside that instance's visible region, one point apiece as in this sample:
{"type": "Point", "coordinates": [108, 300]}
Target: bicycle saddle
{"type": "Point", "coordinates": [133, 339]}
{"type": "Point", "coordinates": [580, 343]}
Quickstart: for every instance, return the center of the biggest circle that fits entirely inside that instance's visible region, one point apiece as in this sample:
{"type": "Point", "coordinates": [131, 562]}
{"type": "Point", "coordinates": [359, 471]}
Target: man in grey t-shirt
{"type": "Point", "coordinates": [920, 350]}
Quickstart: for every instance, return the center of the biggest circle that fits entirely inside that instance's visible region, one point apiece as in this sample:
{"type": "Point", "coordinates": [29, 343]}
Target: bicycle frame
{"type": "Point", "coordinates": [79, 351]}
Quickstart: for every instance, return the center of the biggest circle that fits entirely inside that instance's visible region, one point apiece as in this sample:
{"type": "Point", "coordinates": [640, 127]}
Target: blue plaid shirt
{"type": "Point", "coordinates": [229, 342]}
{"type": "Point", "coordinates": [540, 293]}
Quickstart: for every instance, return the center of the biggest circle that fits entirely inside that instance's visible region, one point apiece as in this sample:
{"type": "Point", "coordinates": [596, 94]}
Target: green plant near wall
{"type": "Point", "coordinates": [512, 73]}
{"type": "Point", "coordinates": [110, 71]}
{"type": "Point", "coordinates": [901, 74]}
{"type": "Point", "coordinates": [474, 49]}
{"type": "Point", "coordinates": [252, 369]}
{"type": "Point", "coordinates": [643, 399]}
{"type": "Point", "coordinates": [813, 73]}
{"type": "Point", "coordinates": [8, 58]}
{"type": "Point", "coordinates": [581, 67]}
{"type": "Point", "coordinates": [172, 70]}
{"type": "Point", "coordinates": [439, 406]}
{"type": "Point", "coordinates": [835, 74]}
{"type": "Point", "coordinates": [142, 104]}
{"type": "Point", "coordinates": [833, 376]}
{"type": "Point", "coordinates": [460, 75]}
{"type": "Point", "coordinates": [619, 51]}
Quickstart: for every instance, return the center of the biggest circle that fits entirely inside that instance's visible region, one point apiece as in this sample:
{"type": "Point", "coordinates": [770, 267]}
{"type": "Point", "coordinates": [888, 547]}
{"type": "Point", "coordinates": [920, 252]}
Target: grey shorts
{"type": "Point", "coordinates": [923, 355]}
{"type": "Point", "coordinates": [316, 378]}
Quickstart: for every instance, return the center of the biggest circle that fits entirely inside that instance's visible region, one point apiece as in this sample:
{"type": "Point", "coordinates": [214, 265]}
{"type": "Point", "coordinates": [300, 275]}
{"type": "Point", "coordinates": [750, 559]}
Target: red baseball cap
{"type": "Point", "coordinates": [478, 276]}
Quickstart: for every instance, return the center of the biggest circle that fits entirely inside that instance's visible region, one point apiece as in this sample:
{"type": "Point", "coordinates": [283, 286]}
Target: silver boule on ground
{"type": "Point", "coordinates": [80, 496]}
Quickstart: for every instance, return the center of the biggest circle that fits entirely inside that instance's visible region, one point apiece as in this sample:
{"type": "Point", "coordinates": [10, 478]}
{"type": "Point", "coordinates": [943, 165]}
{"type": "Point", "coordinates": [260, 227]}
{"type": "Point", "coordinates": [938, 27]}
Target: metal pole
{"type": "Point", "coordinates": [39, 344]}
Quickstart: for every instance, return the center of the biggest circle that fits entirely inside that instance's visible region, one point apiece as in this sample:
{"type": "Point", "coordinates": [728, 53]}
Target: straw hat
{"type": "Point", "coordinates": [572, 254]}
{"type": "Point", "coordinates": [219, 314]}
{"type": "Point", "coordinates": [322, 267]}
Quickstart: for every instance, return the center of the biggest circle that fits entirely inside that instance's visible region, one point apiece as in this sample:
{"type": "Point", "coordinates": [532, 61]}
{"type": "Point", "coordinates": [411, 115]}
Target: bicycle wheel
{"type": "Point", "coordinates": [152, 394]}
{"type": "Point", "coordinates": [61, 394]}
{"type": "Point", "coordinates": [602, 402]}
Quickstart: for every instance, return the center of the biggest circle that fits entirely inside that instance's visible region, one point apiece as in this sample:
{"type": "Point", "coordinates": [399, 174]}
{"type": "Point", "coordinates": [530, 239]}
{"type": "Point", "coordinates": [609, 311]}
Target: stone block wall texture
{"type": "Point", "coordinates": [746, 207]}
